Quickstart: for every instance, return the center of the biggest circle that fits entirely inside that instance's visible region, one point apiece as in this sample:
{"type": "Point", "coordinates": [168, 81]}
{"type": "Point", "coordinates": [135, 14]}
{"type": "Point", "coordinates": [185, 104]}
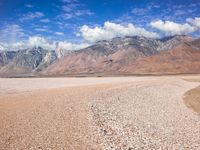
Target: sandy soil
{"type": "Point", "coordinates": [192, 98]}
{"type": "Point", "coordinates": [97, 113]}
{"type": "Point", "coordinates": [16, 85]}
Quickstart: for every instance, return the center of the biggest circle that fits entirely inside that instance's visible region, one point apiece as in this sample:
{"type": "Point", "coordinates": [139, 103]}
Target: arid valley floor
{"type": "Point", "coordinates": [100, 113]}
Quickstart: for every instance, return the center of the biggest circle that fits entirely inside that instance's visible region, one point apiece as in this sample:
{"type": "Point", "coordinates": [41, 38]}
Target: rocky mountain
{"type": "Point", "coordinates": [26, 61]}
{"type": "Point", "coordinates": [6, 57]}
{"type": "Point", "coordinates": [121, 55]}
{"type": "Point", "coordinates": [182, 59]}
{"type": "Point", "coordinates": [108, 57]}
{"type": "Point", "coordinates": [168, 43]}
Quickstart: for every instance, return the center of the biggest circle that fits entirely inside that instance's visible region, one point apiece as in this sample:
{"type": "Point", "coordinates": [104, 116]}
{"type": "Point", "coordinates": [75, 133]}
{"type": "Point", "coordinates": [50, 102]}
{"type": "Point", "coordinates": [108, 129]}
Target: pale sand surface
{"type": "Point", "coordinates": [192, 99]}
{"type": "Point", "coordinates": [16, 85]}
{"type": "Point", "coordinates": [97, 113]}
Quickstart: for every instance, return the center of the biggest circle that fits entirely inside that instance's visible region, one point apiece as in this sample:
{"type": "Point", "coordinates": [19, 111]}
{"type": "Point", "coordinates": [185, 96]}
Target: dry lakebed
{"type": "Point", "coordinates": [108, 113]}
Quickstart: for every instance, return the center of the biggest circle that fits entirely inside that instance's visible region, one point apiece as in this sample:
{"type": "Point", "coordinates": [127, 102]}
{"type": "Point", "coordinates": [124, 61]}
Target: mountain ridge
{"type": "Point", "coordinates": [116, 56]}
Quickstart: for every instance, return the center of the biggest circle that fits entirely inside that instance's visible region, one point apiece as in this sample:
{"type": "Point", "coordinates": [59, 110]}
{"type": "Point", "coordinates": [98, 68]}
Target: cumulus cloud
{"type": "Point", "coordinates": [71, 46]}
{"type": "Point", "coordinates": [40, 41]}
{"type": "Point", "coordinates": [172, 28]}
{"type": "Point", "coordinates": [32, 41]}
{"type": "Point", "coordinates": [195, 22]}
{"type": "Point", "coordinates": [63, 46]}
{"type": "Point", "coordinates": [111, 30]}
{"type": "Point", "coordinates": [48, 44]}
{"type": "Point", "coordinates": [3, 46]}
{"type": "Point", "coordinates": [13, 37]}
{"type": "Point", "coordinates": [37, 41]}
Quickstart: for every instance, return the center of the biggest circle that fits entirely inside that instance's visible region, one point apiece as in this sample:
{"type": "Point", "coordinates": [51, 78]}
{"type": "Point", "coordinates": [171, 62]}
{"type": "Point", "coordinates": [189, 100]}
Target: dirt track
{"type": "Point", "coordinates": [105, 113]}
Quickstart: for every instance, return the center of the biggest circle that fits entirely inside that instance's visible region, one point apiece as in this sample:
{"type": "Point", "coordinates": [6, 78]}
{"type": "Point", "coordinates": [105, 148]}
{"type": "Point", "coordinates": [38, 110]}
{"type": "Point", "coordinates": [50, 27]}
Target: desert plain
{"type": "Point", "coordinates": [112, 113]}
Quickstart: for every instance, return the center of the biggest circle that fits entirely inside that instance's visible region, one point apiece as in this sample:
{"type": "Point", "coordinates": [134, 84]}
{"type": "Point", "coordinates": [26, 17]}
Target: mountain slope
{"type": "Point", "coordinates": [25, 61]}
{"type": "Point", "coordinates": [108, 57]}
{"type": "Point", "coordinates": [6, 57]}
{"type": "Point", "coordinates": [184, 58]}
{"type": "Point", "coordinates": [127, 55]}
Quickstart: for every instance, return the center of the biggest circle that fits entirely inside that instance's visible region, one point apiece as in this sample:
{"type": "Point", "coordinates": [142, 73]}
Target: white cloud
{"type": "Point", "coordinates": [31, 16]}
{"type": "Point", "coordinates": [33, 41]}
{"type": "Point", "coordinates": [59, 33]}
{"type": "Point", "coordinates": [64, 46]}
{"type": "Point", "coordinates": [36, 41]}
{"type": "Point", "coordinates": [71, 46]}
{"type": "Point", "coordinates": [29, 6]}
{"type": "Point", "coordinates": [75, 14]}
{"type": "Point", "coordinates": [69, 1]}
{"type": "Point", "coordinates": [53, 45]}
{"type": "Point", "coordinates": [11, 33]}
{"type": "Point", "coordinates": [140, 11]}
{"type": "Point", "coordinates": [40, 41]}
{"type": "Point", "coordinates": [16, 46]}
{"type": "Point", "coordinates": [3, 46]}
{"type": "Point", "coordinates": [180, 12]}
{"type": "Point", "coordinates": [41, 29]}
{"type": "Point", "coordinates": [172, 28]}
{"type": "Point", "coordinates": [66, 16]}
{"type": "Point", "coordinates": [45, 20]}
{"type": "Point", "coordinates": [111, 30]}
{"type": "Point", "coordinates": [85, 12]}
{"type": "Point", "coordinates": [145, 10]}
{"type": "Point", "coordinates": [195, 22]}
{"type": "Point", "coordinates": [70, 7]}
{"type": "Point", "coordinates": [73, 9]}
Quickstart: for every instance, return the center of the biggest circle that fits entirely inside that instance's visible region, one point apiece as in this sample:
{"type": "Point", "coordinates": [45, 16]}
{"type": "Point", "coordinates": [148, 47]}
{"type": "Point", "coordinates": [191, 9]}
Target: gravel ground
{"type": "Point", "coordinates": [148, 115]}
{"type": "Point", "coordinates": [125, 113]}
{"type": "Point", "coordinates": [46, 119]}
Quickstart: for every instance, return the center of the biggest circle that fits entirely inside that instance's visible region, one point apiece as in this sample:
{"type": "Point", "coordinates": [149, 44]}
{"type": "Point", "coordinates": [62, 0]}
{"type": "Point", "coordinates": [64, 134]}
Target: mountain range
{"type": "Point", "coordinates": [118, 56]}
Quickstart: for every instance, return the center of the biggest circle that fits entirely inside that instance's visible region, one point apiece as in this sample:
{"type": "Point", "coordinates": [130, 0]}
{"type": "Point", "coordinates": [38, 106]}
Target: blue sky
{"type": "Point", "coordinates": [92, 20]}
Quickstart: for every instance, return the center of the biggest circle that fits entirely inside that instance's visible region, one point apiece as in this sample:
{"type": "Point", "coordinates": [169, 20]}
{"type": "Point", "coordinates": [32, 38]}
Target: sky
{"type": "Point", "coordinates": [74, 24]}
